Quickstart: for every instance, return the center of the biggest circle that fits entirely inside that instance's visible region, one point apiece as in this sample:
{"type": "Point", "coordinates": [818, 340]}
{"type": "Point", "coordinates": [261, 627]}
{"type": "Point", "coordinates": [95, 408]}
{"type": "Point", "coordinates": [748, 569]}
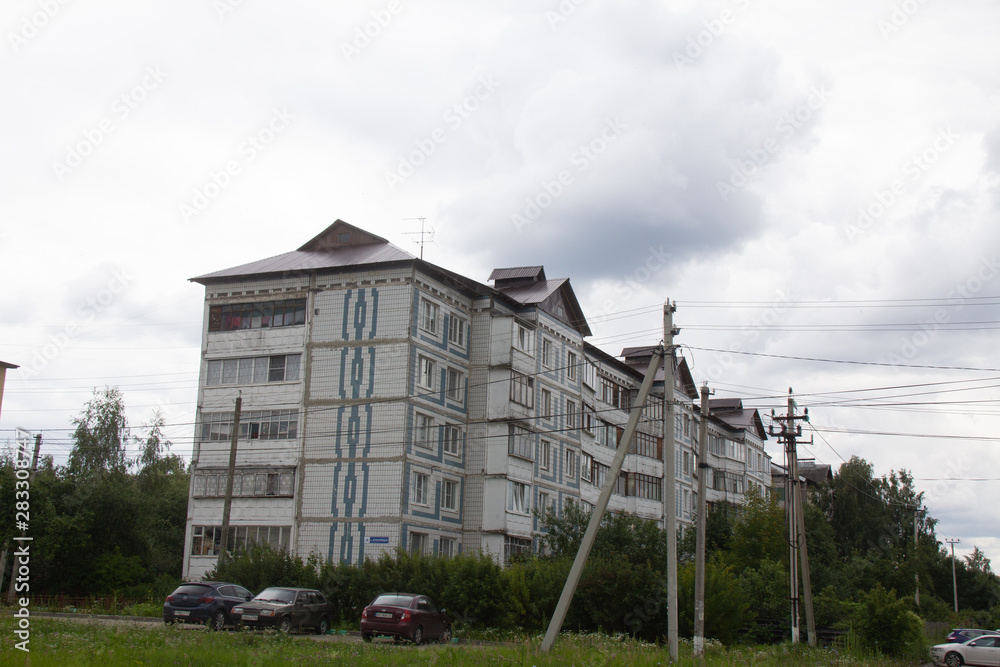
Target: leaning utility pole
{"type": "Point", "coordinates": [228, 506]}
{"type": "Point", "coordinates": [954, 581]}
{"type": "Point", "coordinates": [597, 514]}
{"type": "Point", "coordinates": [701, 517]}
{"type": "Point", "coordinates": [796, 521]}
{"type": "Point", "coordinates": [670, 476]}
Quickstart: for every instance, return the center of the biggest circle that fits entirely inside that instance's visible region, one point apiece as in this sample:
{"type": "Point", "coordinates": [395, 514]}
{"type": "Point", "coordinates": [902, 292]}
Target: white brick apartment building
{"type": "Point", "coordinates": [388, 402]}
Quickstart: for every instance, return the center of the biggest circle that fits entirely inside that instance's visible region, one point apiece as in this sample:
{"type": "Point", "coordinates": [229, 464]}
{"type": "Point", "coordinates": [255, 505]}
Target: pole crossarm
{"type": "Point", "coordinates": [597, 515]}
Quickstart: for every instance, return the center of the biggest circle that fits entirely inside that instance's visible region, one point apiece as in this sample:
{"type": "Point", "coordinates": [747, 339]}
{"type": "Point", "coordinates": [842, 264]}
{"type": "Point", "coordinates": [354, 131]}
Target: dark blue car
{"type": "Point", "coordinates": [208, 602]}
{"type": "Point", "coordinates": [962, 635]}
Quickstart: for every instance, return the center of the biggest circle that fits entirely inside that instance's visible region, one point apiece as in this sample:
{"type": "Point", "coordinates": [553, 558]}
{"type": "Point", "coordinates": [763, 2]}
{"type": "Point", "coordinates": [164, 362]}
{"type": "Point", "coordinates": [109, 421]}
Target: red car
{"type": "Point", "coordinates": [405, 616]}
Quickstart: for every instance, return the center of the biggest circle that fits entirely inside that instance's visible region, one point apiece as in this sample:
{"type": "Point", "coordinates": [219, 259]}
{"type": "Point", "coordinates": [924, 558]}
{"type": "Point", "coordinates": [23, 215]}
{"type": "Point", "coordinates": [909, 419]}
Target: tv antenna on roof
{"type": "Point", "coordinates": [422, 234]}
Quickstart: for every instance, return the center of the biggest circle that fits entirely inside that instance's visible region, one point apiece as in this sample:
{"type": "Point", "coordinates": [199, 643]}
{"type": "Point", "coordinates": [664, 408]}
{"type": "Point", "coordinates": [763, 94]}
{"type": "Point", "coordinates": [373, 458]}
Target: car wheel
{"type": "Point", "coordinates": [323, 627]}
{"type": "Point", "coordinates": [953, 660]}
{"type": "Point", "coordinates": [367, 636]}
{"type": "Point", "coordinates": [418, 635]}
{"type": "Point", "coordinates": [218, 621]}
{"type": "Point", "coordinates": [445, 637]}
{"type": "Point", "coordinates": [286, 625]}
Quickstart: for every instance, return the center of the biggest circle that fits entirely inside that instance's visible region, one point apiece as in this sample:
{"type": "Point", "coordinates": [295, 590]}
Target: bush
{"type": "Point", "coordinates": [261, 565]}
{"type": "Point", "coordinates": [726, 610]}
{"type": "Point", "coordinates": [884, 623]}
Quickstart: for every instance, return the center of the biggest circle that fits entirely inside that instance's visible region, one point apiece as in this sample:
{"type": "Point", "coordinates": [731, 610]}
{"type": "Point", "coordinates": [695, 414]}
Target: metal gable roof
{"type": "Point", "coordinates": [300, 260]}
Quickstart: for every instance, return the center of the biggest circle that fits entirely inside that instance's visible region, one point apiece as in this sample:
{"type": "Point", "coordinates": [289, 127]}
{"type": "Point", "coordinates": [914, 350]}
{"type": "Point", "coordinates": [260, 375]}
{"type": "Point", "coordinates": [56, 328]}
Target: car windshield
{"type": "Point", "coordinates": [393, 600]}
{"type": "Point", "coordinates": [280, 595]}
{"type": "Point", "coordinates": [192, 589]}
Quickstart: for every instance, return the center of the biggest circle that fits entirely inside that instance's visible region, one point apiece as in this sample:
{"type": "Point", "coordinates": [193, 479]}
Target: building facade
{"type": "Point", "coordinates": [388, 402]}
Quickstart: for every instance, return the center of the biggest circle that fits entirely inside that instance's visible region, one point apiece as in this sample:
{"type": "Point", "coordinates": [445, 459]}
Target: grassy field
{"type": "Point", "coordinates": [69, 642]}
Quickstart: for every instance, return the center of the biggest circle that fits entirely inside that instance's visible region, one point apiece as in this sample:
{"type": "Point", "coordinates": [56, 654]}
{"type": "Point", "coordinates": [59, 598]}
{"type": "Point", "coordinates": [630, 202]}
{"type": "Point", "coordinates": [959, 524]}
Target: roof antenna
{"type": "Point", "coordinates": [422, 233]}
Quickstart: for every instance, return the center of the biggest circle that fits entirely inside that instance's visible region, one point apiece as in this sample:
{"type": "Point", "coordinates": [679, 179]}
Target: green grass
{"type": "Point", "coordinates": [66, 643]}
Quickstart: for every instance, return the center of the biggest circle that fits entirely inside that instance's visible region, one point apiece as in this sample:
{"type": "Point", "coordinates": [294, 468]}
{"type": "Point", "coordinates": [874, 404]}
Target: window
{"type": "Point", "coordinates": [456, 385]}
{"type": "Point", "coordinates": [524, 339]}
{"type": "Point", "coordinates": [247, 482]}
{"type": "Point", "coordinates": [420, 482]}
{"type": "Point", "coordinates": [261, 315]}
{"type": "Point", "coordinates": [544, 454]}
{"type": "Point", "coordinates": [571, 365]}
{"type": "Point", "coordinates": [621, 484]}
{"type": "Point", "coordinates": [546, 403]}
{"type": "Point", "coordinates": [600, 474]}
{"type": "Point", "coordinates": [418, 544]}
{"type": "Point", "coordinates": [586, 467]}
{"type": "Point", "coordinates": [687, 424]}
{"type": "Point", "coordinates": [428, 316]}
{"type": "Point", "coordinates": [253, 370]}
{"type": "Point", "coordinates": [570, 414]}
{"type": "Point", "coordinates": [456, 331]}
{"type": "Point", "coordinates": [425, 431]}
{"type": "Point", "coordinates": [645, 486]}
{"type": "Point", "coordinates": [687, 463]}
{"type": "Point", "coordinates": [452, 440]}
{"type": "Point", "coordinates": [615, 393]}
{"type": "Point", "coordinates": [647, 445]}
{"type": "Point", "coordinates": [543, 503]}
{"type": "Point", "coordinates": [205, 540]}
{"type": "Point", "coordinates": [589, 374]}
{"type": "Point", "coordinates": [546, 353]}
{"type": "Point", "coordinates": [517, 497]}
{"type": "Point", "coordinates": [588, 418]}
{"type": "Point", "coordinates": [522, 389]}
{"type": "Point", "coordinates": [515, 546]}
{"type": "Point", "coordinates": [570, 463]}
{"type": "Point", "coordinates": [425, 370]}
{"type": "Point", "coordinates": [519, 442]}
{"type": "Point", "coordinates": [446, 547]}
{"type": "Point", "coordinates": [449, 494]}
{"type": "Point", "coordinates": [254, 425]}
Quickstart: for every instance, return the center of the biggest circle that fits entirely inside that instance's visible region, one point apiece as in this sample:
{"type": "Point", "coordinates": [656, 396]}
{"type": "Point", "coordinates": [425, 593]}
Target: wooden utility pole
{"type": "Point", "coordinates": [796, 522]}
{"type": "Point", "coordinates": [228, 506]}
{"type": "Point", "coordinates": [597, 514]}
{"type": "Point", "coordinates": [34, 459]}
{"type": "Point", "coordinates": [701, 517]}
{"type": "Point", "coordinates": [670, 476]}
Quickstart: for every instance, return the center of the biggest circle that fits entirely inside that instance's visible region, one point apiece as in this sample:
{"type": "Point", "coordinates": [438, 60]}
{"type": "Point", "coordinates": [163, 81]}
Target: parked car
{"type": "Point", "coordinates": [962, 635]}
{"type": "Point", "coordinates": [287, 609]}
{"type": "Point", "coordinates": [208, 602]}
{"type": "Point", "coordinates": [983, 650]}
{"type": "Point", "coordinates": [405, 616]}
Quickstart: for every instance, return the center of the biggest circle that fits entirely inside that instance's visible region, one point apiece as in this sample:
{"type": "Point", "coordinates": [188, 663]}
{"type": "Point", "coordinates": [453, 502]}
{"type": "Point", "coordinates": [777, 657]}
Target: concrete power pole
{"type": "Point", "coordinates": [670, 476]}
{"type": "Point", "coordinates": [597, 514]}
{"type": "Point", "coordinates": [916, 572]}
{"type": "Point", "coordinates": [702, 519]}
{"type": "Point", "coordinates": [796, 522]}
{"type": "Point", "coordinates": [228, 506]}
{"type": "Point", "coordinates": [954, 580]}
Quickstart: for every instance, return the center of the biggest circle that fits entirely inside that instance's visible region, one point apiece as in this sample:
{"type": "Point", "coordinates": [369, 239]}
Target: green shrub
{"type": "Point", "coordinates": [884, 623]}
{"type": "Point", "coordinates": [261, 565]}
{"type": "Point", "coordinates": [726, 610]}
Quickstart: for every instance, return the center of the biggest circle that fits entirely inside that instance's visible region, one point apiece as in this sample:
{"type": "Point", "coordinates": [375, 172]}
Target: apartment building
{"type": "Point", "coordinates": [388, 402]}
{"type": "Point", "coordinates": [736, 437]}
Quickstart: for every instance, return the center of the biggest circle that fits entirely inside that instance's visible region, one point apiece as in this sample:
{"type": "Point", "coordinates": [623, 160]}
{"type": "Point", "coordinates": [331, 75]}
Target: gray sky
{"type": "Point", "coordinates": [808, 182]}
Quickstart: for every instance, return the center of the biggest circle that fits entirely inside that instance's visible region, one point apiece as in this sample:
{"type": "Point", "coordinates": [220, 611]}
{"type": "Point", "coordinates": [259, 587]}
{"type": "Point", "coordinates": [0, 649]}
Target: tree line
{"type": "Point", "coordinates": [109, 523]}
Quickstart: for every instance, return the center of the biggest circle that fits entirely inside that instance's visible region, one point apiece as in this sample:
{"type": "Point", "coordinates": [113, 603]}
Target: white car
{"type": "Point", "coordinates": [983, 650]}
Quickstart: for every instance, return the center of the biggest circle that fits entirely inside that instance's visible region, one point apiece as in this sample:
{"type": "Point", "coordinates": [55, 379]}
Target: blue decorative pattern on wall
{"type": "Point", "coordinates": [352, 439]}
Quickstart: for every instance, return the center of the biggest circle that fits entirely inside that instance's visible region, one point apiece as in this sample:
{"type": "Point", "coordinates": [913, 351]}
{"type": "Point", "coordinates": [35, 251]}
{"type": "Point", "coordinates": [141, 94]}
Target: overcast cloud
{"type": "Point", "coordinates": [808, 182]}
